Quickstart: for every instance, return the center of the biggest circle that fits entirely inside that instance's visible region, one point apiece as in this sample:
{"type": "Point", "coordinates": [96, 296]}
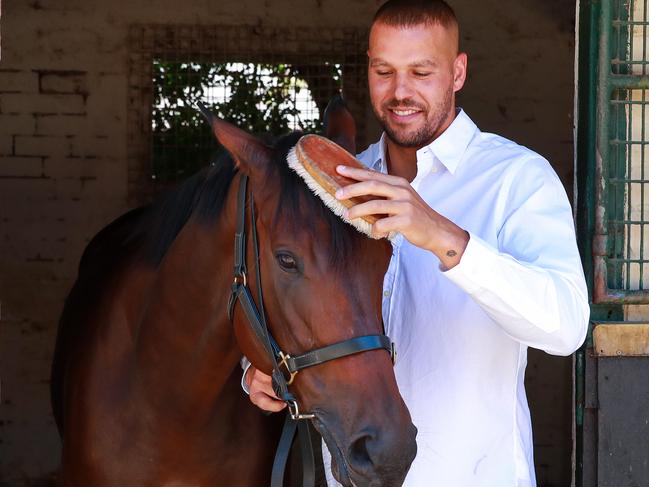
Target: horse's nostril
{"type": "Point", "coordinates": [380, 458]}
{"type": "Point", "coordinates": [359, 452]}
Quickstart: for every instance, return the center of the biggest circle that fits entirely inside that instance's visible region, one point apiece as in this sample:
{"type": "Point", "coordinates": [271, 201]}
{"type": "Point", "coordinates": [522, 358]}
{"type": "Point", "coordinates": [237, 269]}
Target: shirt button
{"type": "Point", "coordinates": [386, 293]}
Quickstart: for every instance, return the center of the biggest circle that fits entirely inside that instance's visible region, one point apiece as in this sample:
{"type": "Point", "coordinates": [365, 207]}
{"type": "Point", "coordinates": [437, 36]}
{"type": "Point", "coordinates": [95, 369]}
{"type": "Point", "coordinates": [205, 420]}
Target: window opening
{"type": "Point", "coordinates": [265, 79]}
{"type": "Point", "coordinates": [261, 98]}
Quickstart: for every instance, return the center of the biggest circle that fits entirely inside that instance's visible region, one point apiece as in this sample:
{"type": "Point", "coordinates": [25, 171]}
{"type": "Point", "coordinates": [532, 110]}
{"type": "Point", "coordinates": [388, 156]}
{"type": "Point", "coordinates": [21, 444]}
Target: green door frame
{"type": "Point", "coordinates": [586, 176]}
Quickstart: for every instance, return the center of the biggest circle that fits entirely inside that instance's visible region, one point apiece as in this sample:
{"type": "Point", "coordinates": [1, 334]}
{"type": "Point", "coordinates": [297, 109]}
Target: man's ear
{"type": "Point", "coordinates": [339, 124]}
{"type": "Point", "coordinates": [250, 154]}
{"type": "Point", "coordinates": [459, 71]}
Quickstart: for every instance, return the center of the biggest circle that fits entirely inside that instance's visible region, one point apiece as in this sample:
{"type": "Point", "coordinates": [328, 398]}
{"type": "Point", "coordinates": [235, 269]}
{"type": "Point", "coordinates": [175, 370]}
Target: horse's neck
{"type": "Point", "coordinates": [185, 344]}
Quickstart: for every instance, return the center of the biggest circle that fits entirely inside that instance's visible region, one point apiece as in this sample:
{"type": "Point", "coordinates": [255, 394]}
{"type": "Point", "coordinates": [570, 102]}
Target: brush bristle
{"type": "Point", "coordinates": [328, 199]}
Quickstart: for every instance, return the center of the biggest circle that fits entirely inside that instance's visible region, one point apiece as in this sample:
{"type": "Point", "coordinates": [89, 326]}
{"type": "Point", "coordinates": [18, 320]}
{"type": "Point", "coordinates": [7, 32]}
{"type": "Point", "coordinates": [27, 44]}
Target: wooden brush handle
{"type": "Point", "coordinates": [320, 157]}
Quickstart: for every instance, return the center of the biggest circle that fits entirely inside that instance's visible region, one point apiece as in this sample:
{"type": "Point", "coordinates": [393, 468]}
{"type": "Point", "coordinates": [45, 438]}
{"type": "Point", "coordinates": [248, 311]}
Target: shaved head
{"type": "Point", "coordinates": [410, 13]}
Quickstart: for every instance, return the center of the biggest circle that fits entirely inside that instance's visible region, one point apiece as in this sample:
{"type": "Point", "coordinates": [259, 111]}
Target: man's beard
{"type": "Point", "coordinates": [424, 135]}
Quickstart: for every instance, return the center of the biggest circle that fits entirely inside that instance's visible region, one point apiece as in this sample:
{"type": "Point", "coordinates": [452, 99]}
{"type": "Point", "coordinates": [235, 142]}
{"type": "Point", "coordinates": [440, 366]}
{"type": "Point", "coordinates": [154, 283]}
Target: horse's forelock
{"type": "Point", "coordinates": [300, 209]}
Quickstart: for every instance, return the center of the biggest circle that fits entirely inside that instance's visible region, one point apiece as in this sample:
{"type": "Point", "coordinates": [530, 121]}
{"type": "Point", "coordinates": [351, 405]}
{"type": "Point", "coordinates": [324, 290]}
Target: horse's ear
{"type": "Point", "coordinates": [248, 152]}
{"type": "Point", "coordinates": [339, 124]}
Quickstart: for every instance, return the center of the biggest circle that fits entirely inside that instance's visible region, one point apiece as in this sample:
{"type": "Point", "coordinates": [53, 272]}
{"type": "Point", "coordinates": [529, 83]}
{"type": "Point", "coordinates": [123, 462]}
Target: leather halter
{"type": "Point", "coordinates": [292, 365]}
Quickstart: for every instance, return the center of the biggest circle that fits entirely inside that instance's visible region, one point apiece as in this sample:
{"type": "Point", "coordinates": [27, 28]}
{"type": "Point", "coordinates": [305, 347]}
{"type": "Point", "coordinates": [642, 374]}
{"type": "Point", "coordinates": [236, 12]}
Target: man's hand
{"type": "Point", "coordinates": [262, 395]}
{"type": "Point", "coordinates": [407, 213]}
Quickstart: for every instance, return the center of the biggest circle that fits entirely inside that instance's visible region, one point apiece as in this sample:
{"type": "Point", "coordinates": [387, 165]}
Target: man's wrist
{"type": "Point", "coordinates": [451, 250]}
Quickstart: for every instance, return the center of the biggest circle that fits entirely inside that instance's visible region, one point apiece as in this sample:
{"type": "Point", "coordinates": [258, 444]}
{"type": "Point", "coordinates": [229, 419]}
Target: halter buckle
{"type": "Point", "coordinates": [393, 353]}
{"type": "Point", "coordinates": [294, 411]}
{"type": "Point", "coordinates": [240, 279]}
{"type": "Point", "coordinates": [284, 361]}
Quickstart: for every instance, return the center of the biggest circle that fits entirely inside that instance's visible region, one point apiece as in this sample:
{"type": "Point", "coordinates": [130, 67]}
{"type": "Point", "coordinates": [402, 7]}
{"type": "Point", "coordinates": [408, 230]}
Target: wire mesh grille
{"type": "Point", "coordinates": [265, 80]}
{"type": "Point", "coordinates": [262, 98]}
{"type": "Point", "coordinates": [626, 170]}
{"type": "Point", "coordinates": [628, 190]}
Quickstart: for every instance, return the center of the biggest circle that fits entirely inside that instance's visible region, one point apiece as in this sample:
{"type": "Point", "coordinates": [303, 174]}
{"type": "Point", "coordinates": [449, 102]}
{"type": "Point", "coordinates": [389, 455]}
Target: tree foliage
{"type": "Point", "coordinates": [259, 98]}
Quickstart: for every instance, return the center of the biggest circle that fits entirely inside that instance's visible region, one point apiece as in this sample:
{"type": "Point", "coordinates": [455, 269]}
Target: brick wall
{"type": "Point", "coordinates": [64, 174]}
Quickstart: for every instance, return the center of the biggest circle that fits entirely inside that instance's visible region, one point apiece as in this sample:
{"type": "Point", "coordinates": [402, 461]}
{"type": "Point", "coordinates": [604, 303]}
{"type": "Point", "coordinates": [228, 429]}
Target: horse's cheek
{"type": "Point", "coordinates": [250, 346]}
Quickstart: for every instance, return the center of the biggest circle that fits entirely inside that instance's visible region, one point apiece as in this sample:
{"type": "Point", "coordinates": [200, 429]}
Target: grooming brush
{"type": "Point", "coordinates": [314, 159]}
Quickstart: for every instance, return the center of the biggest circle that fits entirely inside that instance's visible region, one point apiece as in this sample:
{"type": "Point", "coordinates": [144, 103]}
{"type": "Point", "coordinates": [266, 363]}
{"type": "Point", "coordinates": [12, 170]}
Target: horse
{"type": "Point", "coordinates": [146, 371]}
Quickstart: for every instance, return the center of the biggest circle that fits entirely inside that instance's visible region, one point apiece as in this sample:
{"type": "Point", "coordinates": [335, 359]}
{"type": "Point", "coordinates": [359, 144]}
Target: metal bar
{"type": "Point", "coordinates": [632, 261]}
{"type": "Point", "coordinates": [625, 82]}
{"type": "Point", "coordinates": [629, 204]}
{"type": "Point", "coordinates": [620, 181]}
{"type": "Point", "coordinates": [626, 62]}
{"type": "Point", "coordinates": [630, 33]}
{"type": "Point", "coordinates": [642, 176]}
{"type": "Point", "coordinates": [627, 222]}
{"type": "Point", "coordinates": [628, 142]}
{"type": "Point", "coordinates": [627, 23]}
{"type": "Point", "coordinates": [626, 102]}
{"type": "Point", "coordinates": [644, 37]}
{"type": "Point", "coordinates": [601, 241]}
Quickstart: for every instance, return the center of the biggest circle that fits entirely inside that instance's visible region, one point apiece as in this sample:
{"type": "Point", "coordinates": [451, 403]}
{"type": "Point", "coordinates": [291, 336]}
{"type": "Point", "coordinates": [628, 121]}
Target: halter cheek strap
{"type": "Point", "coordinates": [285, 367]}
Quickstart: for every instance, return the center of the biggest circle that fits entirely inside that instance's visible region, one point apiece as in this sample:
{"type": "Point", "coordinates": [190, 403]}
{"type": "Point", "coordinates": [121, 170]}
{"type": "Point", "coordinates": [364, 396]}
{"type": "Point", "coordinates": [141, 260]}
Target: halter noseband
{"type": "Point", "coordinates": [291, 365]}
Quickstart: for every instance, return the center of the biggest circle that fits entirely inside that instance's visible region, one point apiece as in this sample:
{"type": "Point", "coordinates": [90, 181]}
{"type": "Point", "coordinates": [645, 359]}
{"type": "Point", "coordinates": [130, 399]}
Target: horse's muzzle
{"type": "Point", "coordinates": [381, 458]}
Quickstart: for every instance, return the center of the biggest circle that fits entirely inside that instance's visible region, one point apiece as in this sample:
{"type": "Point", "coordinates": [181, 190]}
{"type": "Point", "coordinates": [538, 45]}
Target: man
{"type": "Point", "coordinates": [485, 263]}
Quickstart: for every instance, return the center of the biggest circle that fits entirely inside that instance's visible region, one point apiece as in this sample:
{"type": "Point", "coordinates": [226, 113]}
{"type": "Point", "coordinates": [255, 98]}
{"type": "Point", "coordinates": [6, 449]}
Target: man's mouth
{"type": "Point", "coordinates": [404, 112]}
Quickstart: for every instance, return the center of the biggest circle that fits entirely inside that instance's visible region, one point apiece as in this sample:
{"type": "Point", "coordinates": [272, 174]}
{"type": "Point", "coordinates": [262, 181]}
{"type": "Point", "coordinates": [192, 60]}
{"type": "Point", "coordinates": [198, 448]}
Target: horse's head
{"type": "Point", "coordinates": [322, 284]}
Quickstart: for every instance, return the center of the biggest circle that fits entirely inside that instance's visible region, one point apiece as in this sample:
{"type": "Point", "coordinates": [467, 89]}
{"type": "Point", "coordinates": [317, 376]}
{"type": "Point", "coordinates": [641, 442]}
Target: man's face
{"type": "Point", "coordinates": [413, 75]}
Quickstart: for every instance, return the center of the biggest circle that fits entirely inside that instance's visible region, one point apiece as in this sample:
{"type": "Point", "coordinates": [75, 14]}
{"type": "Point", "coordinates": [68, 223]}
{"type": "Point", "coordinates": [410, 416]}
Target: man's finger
{"type": "Point", "coordinates": [372, 187]}
{"type": "Point", "coordinates": [265, 402]}
{"type": "Point", "coordinates": [389, 224]}
{"type": "Point", "coordinates": [366, 174]}
{"type": "Point", "coordinates": [376, 207]}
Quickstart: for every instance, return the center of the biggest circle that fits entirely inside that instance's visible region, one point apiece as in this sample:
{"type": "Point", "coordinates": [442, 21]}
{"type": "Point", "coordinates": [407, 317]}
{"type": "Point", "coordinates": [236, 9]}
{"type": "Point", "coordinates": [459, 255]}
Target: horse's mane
{"type": "Point", "coordinates": [147, 232]}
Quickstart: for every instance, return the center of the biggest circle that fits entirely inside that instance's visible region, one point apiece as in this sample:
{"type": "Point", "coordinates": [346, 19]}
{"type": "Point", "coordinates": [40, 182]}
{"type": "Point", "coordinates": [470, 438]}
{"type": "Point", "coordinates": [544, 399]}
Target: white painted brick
{"type": "Point", "coordinates": [19, 123]}
{"type": "Point", "coordinates": [96, 146]}
{"type": "Point", "coordinates": [63, 82]}
{"type": "Point", "coordinates": [65, 167]}
{"type": "Point", "coordinates": [60, 124]}
{"type": "Point", "coordinates": [21, 167]}
{"type": "Point", "coordinates": [6, 145]}
{"type": "Point", "coordinates": [18, 81]}
{"type": "Point", "coordinates": [41, 145]}
{"type": "Point", "coordinates": [42, 103]}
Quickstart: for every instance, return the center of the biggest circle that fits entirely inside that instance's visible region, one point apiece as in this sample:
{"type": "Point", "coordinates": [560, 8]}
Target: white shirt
{"type": "Point", "coordinates": [462, 335]}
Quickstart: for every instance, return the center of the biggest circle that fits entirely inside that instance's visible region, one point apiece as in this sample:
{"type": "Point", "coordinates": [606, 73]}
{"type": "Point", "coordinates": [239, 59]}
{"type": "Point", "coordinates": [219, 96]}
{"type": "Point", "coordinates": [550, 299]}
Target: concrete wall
{"type": "Point", "coordinates": [63, 171]}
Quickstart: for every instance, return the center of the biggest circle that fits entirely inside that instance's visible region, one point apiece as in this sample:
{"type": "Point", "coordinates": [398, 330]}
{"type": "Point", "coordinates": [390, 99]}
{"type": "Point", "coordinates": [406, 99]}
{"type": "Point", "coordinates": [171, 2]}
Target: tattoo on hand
{"type": "Point", "coordinates": [451, 253]}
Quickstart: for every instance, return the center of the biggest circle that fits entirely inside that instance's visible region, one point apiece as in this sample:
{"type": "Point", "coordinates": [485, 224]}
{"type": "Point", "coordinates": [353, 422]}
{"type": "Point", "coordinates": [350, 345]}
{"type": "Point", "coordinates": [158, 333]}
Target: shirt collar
{"type": "Point", "coordinates": [448, 148]}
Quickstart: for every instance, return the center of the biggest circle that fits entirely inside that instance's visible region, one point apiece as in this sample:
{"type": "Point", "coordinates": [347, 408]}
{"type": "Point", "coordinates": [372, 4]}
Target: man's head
{"type": "Point", "coordinates": [415, 69]}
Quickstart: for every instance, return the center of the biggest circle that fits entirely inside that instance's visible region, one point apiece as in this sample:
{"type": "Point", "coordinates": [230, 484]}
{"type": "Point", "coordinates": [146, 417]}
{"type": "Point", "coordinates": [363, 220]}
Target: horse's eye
{"type": "Point", "coordinates": [286, 261]}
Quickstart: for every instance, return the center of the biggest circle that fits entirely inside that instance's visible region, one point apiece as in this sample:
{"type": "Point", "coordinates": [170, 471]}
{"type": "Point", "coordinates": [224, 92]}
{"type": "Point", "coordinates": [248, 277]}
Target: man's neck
{"type": "Point", "coordinates": [401, 161]}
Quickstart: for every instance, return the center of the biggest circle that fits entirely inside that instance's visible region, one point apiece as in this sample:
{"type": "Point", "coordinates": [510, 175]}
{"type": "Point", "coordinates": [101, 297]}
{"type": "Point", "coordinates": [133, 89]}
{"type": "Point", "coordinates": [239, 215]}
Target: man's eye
{"type": "Point", "coordinates": [421, 74]}
{"type": "Point", "coordinates": [383, 73]}
{"type": "Point", "coordinates": [286, 261]}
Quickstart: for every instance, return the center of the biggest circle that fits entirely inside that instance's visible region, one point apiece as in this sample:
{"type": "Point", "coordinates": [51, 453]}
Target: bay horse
{"type": "Point", "coordinates": [145, 378]}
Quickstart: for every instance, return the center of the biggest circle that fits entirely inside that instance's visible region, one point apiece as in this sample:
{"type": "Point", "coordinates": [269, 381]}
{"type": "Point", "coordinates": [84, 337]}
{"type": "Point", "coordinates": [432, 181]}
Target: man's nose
{"type": "Point", "coordinates": [402, 88]}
